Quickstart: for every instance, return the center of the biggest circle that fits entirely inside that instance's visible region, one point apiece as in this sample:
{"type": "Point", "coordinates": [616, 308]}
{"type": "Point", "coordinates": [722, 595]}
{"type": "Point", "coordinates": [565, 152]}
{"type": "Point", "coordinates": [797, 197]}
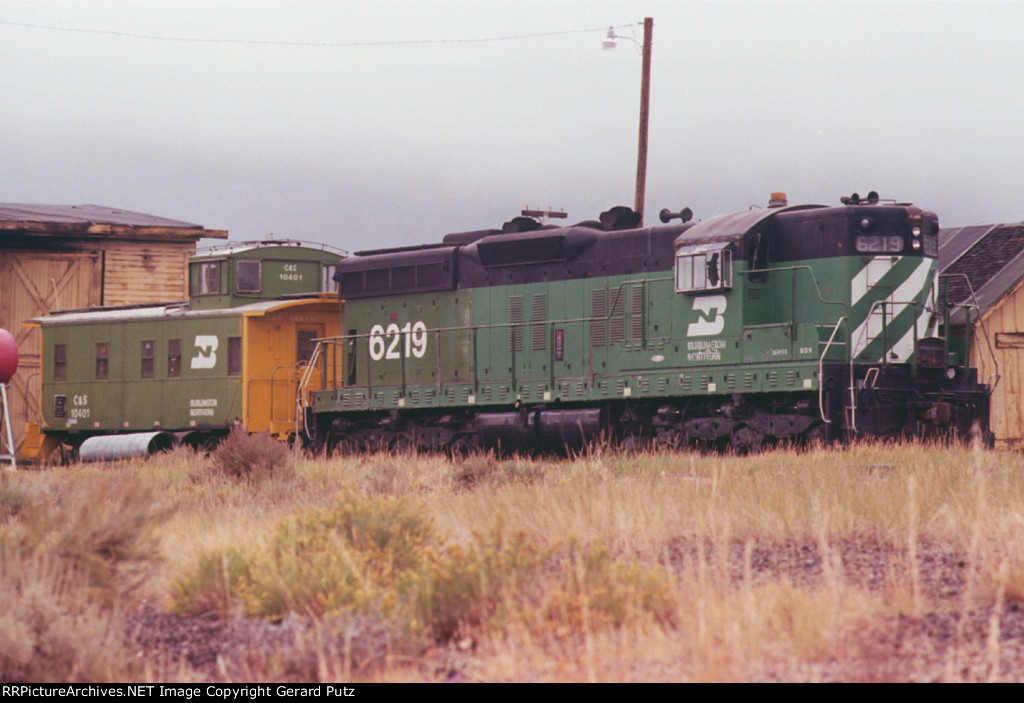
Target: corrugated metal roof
{"type": "Point", "coordinates": [85, 214]}
{"type": "Point", "coordinates": [985, 259]}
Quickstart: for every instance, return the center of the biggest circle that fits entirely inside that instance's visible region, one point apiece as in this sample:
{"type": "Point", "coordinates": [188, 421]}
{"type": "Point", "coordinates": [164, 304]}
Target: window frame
{"type": "Point", "coordinates": [204, 268]}
{"type": "Point", "coordinates": [174, 358]}
{"type": "Point", "coordinates": [147, 368]}
{"type": "Point", "coordinates": [102, 361]}
{"type": "Point", "coordinates": [238, 276]}
{"type": "Point", "coordinates": [687, 260]}
{"type": "Point", "coordinates": [60, 362]}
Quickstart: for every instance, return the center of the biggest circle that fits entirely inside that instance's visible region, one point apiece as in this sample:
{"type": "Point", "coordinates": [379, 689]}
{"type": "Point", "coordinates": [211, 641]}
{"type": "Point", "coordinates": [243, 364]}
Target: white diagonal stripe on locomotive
{"type": "Point", "coordinates": [889, 321]}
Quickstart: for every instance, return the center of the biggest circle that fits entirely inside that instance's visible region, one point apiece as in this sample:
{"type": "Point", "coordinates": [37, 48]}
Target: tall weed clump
{"type": "Point", "coordinates": [252, 457]}
{"type": "Point", "coordinates": [70, 559]}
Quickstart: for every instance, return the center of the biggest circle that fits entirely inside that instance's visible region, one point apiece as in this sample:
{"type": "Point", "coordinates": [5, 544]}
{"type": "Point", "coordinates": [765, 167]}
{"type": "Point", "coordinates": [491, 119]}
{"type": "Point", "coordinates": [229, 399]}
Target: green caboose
{"type": "Point", "coordinates": [120, 381]}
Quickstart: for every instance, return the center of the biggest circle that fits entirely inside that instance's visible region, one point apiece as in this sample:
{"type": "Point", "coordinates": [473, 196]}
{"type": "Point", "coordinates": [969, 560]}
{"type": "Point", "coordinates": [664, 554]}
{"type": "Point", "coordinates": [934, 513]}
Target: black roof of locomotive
{"type": "Point", "coordinates": [496, 257]}
{"type": "Point", "coordinates": [524, 251]}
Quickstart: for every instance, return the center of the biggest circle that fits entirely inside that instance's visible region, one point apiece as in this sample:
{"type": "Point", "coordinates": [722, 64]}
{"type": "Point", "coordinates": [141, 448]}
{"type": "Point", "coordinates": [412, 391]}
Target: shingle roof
{"type": "Point", "coordinates": [92, 220]}
{"type": "Point", "coordinates": [986, 259]}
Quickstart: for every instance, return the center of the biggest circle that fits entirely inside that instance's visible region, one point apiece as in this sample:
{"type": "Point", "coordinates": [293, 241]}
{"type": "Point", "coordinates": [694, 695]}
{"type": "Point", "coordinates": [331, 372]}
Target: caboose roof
{"type": "Point", "coordinates": [174, 310]}
{"type": "Point", "coordinates": [95, 221]}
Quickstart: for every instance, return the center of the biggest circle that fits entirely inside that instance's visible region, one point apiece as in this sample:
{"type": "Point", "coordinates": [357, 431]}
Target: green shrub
{"type": "Point", "coordinates": [612, 591]}
{"type": "Point", "coordinates": [323, 562]}
{"type": "Point", "coordinates": [469, 586]}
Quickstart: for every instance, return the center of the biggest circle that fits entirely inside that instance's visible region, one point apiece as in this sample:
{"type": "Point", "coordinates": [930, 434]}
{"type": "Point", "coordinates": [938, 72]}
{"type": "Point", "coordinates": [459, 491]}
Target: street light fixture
{"type": "Point", "coordinates": [645, 101]}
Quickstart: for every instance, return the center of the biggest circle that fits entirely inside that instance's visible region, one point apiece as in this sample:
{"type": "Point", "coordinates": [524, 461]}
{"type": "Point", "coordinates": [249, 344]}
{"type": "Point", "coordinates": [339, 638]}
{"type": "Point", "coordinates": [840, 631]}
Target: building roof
{"type": "Point", "coordinates": [95, 221]}
{"type": "Point", "coordinates": [984, 263]}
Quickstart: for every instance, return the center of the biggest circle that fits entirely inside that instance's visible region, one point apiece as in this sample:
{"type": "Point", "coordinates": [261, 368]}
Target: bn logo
{"type": "Point", "coordinates": [711, 320]}
{"type": "Point", "coordinates": [206, 357]}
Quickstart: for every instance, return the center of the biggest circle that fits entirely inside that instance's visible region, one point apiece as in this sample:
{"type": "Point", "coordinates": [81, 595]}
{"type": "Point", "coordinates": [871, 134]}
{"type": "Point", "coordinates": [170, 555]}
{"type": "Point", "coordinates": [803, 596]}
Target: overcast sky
{"type": "Point", "coordinates": [255, 131]}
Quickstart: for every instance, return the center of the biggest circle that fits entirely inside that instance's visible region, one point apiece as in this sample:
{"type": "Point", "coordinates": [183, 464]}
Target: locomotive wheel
{"type": "Point", "coordinates": [746, 440]}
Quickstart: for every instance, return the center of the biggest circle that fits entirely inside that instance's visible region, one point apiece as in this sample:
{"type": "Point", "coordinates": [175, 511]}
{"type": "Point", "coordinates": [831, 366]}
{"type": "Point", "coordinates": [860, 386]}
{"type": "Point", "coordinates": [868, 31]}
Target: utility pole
{"type": "Point", "coordinates": [645, 109]}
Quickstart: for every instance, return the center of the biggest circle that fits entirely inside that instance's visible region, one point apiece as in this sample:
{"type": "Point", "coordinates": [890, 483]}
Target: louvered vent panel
{"type": "Point", "coordinates": [515, 320]}
{"type": "Point", "coordinates": [636, 312]}
{"type": "Point", "coordinates": [539, 313]}
{"type": "Point", "coordinates": [791, 378]}
{"type": "Point", "coordinates": [773, 378]}
{"type": "Point", "coordinates": [617, 323]}
{"type": "Point", "coordinates": [599, 317]}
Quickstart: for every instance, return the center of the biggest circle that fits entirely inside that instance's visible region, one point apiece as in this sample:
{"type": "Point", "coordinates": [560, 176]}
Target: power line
{"type": "Point", "coordinates": [153, 37]}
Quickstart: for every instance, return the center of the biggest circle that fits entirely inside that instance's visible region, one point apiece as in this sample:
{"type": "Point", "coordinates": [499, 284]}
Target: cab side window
{"type": "Point", "coordinates": [703, 270]}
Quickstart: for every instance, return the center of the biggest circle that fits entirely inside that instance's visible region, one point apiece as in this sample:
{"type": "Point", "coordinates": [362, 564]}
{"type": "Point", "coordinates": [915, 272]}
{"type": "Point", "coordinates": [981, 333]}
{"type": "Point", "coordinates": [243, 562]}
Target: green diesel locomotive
{"type": "Point", "coordinates": [797, 323]}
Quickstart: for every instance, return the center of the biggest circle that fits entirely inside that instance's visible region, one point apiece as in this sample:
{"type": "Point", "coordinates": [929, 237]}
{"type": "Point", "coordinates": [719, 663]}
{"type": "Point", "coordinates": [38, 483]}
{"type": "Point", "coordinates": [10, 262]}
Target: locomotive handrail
{"type": "Point", "coordinates": [814, 280]}
{"type": "Point", "coordinates": [821, 379]}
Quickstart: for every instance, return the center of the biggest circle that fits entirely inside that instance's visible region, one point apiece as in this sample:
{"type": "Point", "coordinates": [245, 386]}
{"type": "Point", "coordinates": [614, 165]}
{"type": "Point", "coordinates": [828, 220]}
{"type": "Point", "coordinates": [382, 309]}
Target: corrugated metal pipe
{"type": "Point", "coordinates": [125, 446]}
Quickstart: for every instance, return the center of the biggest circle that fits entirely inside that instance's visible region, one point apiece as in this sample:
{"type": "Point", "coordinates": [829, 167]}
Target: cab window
{"type": "Point", "coordinates": [703, 270]}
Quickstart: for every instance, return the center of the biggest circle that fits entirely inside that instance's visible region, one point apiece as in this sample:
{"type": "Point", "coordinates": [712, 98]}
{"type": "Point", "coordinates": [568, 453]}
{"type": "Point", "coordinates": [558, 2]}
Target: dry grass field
{"type": "Point", "coordinates": [866, 563]}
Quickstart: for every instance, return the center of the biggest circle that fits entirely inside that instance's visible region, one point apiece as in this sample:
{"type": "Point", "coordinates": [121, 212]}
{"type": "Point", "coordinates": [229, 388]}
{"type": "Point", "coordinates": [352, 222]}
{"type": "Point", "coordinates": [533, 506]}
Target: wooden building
{"type": "Point", "coordinates": [985, 273]}
{"type": "Point", "coordinates": [62, 257]}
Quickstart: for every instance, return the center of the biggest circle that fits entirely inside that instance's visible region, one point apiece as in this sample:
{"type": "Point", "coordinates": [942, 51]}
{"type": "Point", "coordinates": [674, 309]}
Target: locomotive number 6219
{"type": "Point", "coordinates": [387, 343]}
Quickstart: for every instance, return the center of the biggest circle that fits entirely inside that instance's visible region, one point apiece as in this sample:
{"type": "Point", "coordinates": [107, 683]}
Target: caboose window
{"type": "Point", "coordinates": [706, 269]}
{"type": "Point", "coordinates": [327, 284]}
{"type": "Point", "coordinates": [147, 359]}
{"type": "Point", "coordinates": [60, 362]}
{"type": "Point", "coordinates": [173, 358]}
{"type": "Point", "coordinates": [248, 277]}
{"type": "Point", "coordinates": [102, 356]}
{"type": "Point", "coordinates": [234, 356]}
{"type": "Point", "coordinates": [209, 277]}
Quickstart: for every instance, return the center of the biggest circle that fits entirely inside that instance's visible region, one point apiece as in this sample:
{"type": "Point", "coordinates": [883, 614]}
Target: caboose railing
{"type": "Point", "coordinates": [302, 391]}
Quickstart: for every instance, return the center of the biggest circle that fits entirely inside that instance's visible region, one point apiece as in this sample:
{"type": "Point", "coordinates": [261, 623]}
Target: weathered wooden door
{"type": "Point", "coordinates": [32, 283]}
